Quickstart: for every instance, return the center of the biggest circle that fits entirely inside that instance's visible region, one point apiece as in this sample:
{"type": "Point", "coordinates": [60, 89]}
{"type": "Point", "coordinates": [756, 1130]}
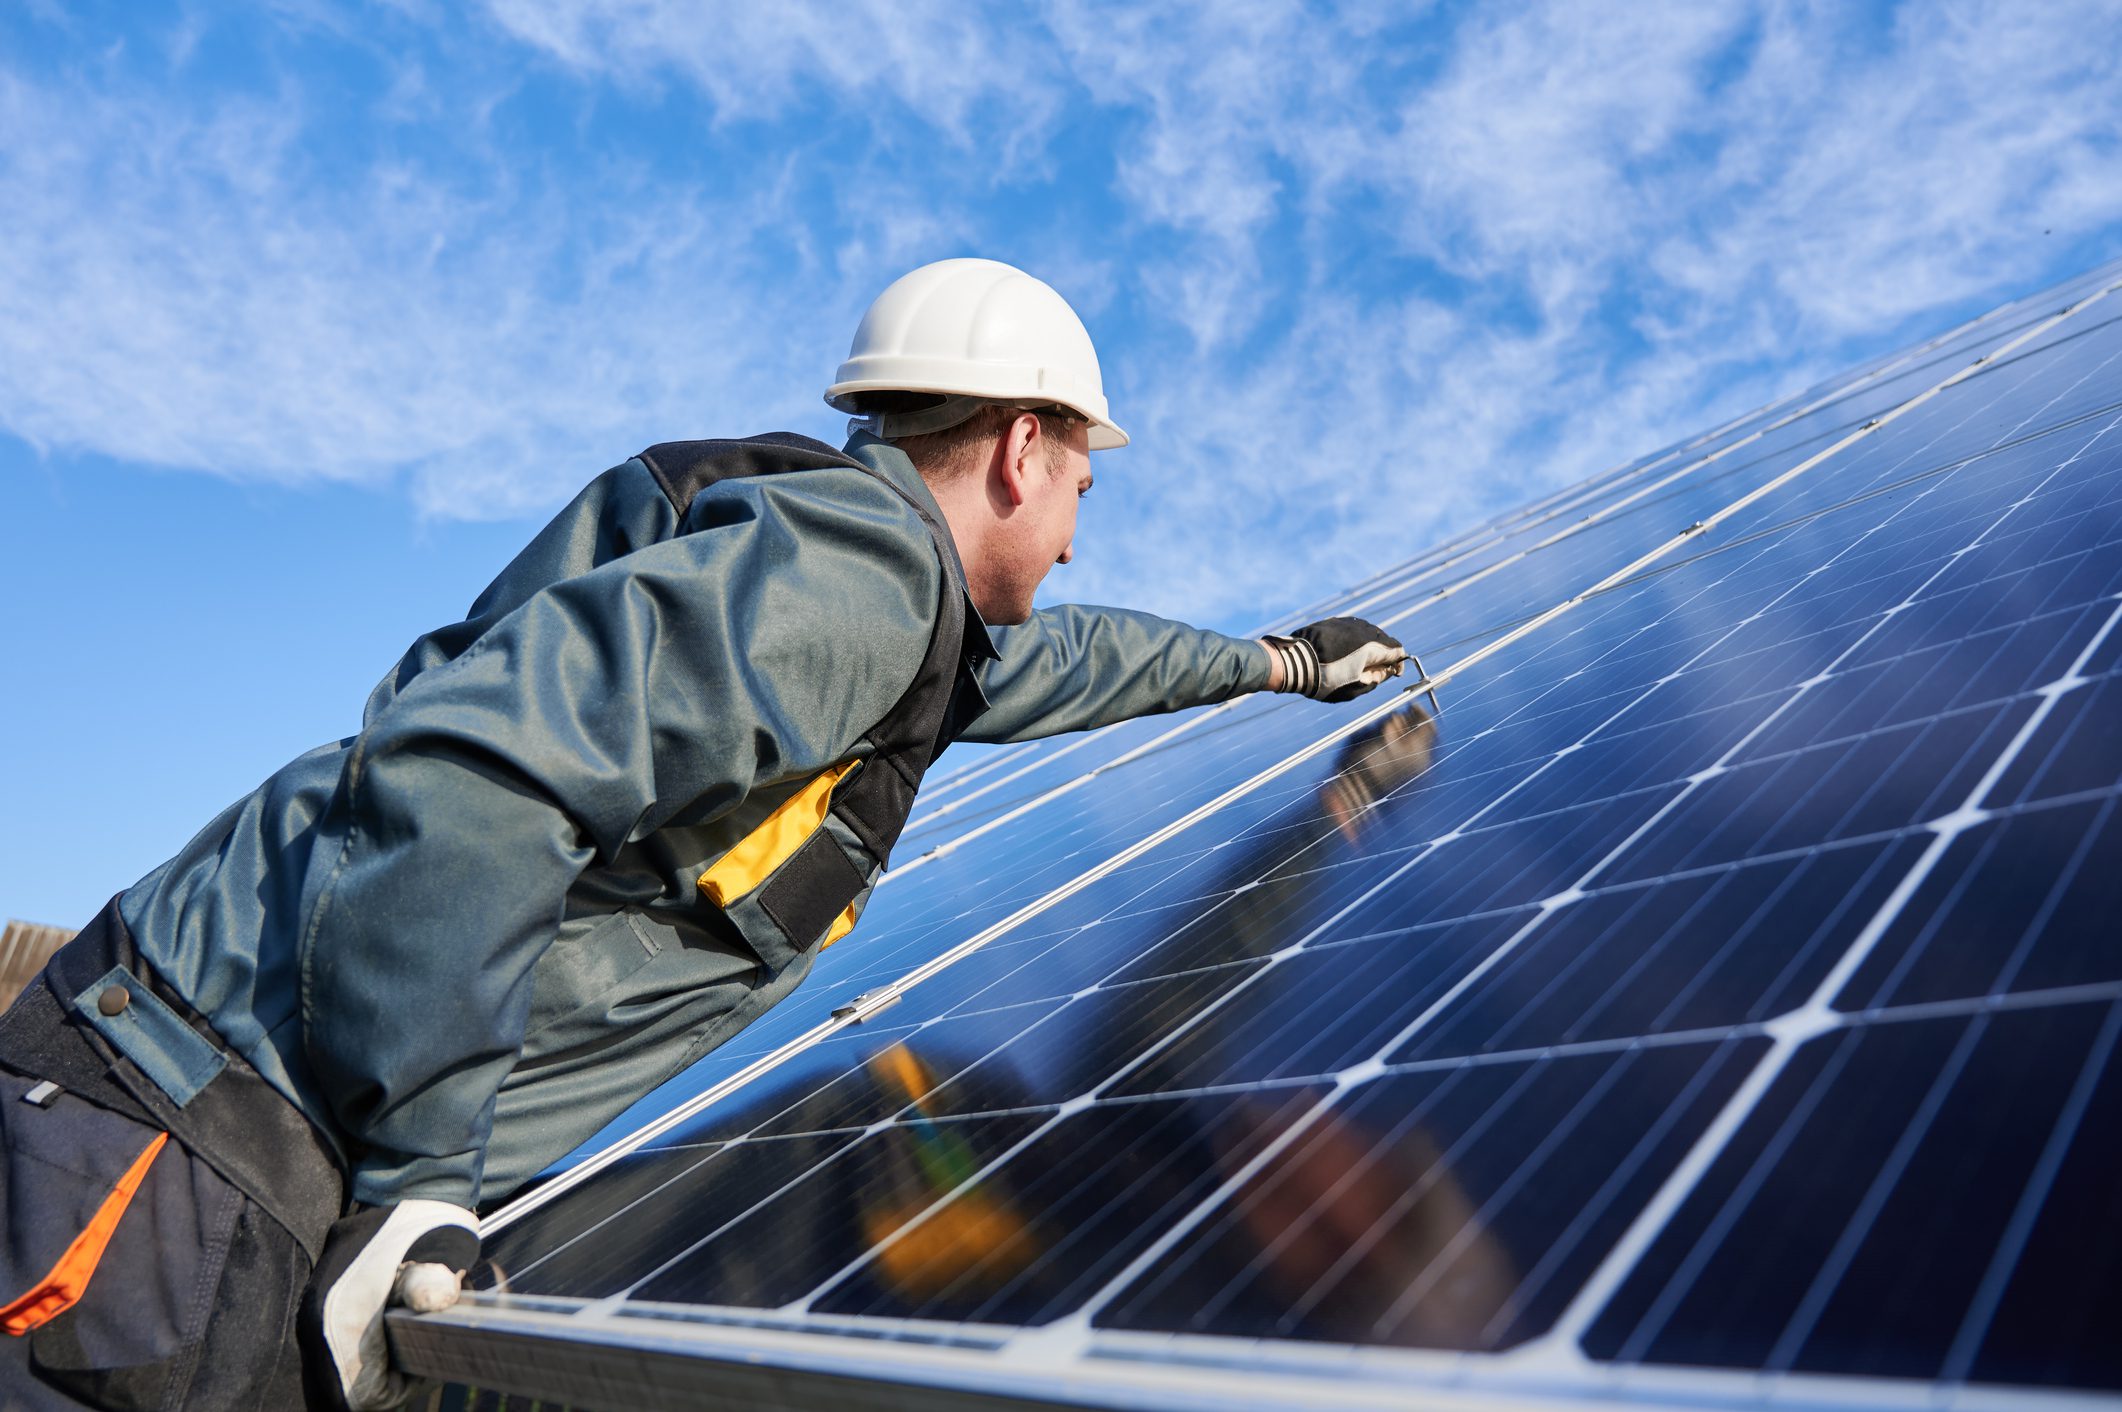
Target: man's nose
{"type": "Point", "coordinates": [1067, 554]}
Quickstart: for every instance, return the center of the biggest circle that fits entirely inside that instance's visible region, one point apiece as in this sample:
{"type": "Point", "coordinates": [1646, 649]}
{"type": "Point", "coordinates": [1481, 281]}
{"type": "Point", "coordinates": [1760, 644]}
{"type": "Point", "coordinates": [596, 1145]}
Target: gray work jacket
{"type": "Point", "coordinates": [466, 938]}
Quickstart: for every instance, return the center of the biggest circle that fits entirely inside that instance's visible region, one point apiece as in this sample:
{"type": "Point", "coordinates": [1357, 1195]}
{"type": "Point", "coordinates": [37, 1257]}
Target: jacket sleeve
{"type": "Point", "coordinates": [1074, 668]}
{"type": "Point", "coordinates": [675, 677]}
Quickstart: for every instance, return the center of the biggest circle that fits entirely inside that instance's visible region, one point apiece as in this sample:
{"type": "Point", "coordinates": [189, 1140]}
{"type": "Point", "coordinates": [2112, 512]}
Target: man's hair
{"type": "Point", "coordinates": [945, 456]}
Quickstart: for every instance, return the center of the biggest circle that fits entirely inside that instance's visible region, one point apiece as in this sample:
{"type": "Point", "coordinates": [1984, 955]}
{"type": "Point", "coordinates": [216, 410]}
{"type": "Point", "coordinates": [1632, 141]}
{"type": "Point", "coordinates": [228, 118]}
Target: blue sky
{"type": "Point", "coordinates": [310, 310]}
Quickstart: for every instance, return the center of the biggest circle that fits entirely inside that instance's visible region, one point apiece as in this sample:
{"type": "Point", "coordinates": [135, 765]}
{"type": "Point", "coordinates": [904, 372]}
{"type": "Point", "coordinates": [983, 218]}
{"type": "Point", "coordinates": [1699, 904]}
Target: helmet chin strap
{"type": "Point", "coordinates": [890, 426]}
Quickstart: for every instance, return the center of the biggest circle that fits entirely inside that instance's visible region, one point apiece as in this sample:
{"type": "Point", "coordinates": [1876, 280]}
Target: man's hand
{"type": "Point", "coordinates": [412, 1254]}
{"type": "Point", "coordinates": [1335, 660]}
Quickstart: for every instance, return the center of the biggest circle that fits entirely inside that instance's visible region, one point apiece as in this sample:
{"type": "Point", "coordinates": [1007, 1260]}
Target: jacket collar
{"type": "Point", "coordinates": [890, 462]}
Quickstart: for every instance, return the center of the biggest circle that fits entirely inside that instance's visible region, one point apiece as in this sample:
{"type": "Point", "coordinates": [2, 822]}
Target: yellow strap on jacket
{"type": "Point", "coordinates": [768, 846]}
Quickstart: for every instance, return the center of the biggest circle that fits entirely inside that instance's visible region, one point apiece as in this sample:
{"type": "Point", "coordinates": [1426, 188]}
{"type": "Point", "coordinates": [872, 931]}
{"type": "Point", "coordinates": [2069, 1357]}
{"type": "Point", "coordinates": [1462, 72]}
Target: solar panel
{"type": "Point", "coordinates": [1715, 1001]}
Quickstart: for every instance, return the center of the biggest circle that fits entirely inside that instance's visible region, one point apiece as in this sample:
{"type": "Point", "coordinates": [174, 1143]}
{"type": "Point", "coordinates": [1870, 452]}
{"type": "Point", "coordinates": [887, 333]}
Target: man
{"type": "Point", "coordinates": [583, 836]}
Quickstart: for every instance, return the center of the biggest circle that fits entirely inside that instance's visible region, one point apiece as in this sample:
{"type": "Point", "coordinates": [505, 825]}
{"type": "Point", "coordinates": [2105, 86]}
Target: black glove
{"type": "Point", "coordinates": [413, 1254]}
{"type": "Point", "coordinates": [1338, 659]}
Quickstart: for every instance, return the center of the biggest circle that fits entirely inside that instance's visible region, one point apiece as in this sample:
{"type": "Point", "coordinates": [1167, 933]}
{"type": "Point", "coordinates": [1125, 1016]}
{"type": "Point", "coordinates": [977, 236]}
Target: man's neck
{"type": "Point", "coordinates": [963, 501]}
{"type": "Point", "coordinates": [959, 502]}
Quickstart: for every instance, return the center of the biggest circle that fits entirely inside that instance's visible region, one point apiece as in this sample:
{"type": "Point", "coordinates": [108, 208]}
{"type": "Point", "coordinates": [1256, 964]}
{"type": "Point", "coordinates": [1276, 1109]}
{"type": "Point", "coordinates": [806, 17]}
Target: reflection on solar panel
{"type": "Point", "coordinates": [1711, 1006]}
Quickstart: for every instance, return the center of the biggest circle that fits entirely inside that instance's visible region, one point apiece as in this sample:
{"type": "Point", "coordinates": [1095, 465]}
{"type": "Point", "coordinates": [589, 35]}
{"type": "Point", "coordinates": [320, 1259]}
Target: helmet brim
{"type": "Point", "coordinates": [1105, 433]}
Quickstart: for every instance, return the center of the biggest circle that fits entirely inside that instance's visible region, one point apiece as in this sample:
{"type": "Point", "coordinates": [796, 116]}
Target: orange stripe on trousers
{"type": "Point", "coordinates": [58, 1291]}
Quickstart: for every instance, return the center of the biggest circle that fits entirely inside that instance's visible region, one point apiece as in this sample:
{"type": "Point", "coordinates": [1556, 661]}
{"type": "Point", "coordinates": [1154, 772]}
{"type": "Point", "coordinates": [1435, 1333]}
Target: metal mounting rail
{"type": "Point", "coordinates": [561, 1352]}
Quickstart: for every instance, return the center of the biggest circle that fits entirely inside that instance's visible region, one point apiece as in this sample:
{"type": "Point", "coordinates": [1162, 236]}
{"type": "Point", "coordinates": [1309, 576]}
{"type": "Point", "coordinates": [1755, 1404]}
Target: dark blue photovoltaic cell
{"type": "Point", "coordinates": [1732, 946]}
{"type": "Point", "coordinates": [1400, 1046]}
{"type": "Point", "coordinates": [1932, 1129]}
{"type": "Point", "coordinates": [2007, 909]}
{"type": "Point", "coordinates": [1320, 1011]}
{"type": "Point", "coordinates": [822, 1218]}
{"type": "Point", "coordinates": [1423, 1209]}
{"type": "Point", "coordinates": [1067, 1212]}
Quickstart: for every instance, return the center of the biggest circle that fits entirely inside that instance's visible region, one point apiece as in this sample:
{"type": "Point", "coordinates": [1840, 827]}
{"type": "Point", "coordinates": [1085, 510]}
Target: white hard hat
{"type": "Point", "coordinates": [976, 329]}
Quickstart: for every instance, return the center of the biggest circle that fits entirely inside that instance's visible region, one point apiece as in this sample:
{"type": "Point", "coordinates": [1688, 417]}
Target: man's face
{"type": "Point", "coordinates": [1043, 531]}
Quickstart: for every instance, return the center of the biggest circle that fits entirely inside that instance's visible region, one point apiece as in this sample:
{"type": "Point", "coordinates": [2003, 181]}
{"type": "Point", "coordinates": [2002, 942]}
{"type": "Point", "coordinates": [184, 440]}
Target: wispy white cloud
{"type": "Point", "coordinates": [942, 61]}
{"type": "Point", "coordinates": [1642, 220]}
{"type": "Point", "coordinates": [1885, 180]}
{"type": "Point", "coordinates": [1361, 271]}
{"type": "Point", "coordinates": [184, 290]}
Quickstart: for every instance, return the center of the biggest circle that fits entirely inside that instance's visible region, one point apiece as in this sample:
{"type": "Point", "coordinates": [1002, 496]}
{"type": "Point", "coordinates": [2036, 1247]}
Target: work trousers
{"type": "Point", "coordinates": [192, 1300]}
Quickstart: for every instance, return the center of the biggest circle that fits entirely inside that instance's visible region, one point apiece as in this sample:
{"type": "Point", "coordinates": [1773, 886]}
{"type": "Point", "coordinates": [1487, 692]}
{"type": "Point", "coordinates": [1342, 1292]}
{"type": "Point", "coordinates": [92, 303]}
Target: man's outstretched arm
{"type": "Point", "coordinates": [1077, 668]}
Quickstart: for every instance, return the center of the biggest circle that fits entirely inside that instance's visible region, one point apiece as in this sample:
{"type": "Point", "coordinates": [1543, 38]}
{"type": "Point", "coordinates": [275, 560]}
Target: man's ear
{"type": "Point", "coordinates": [1021, 457]}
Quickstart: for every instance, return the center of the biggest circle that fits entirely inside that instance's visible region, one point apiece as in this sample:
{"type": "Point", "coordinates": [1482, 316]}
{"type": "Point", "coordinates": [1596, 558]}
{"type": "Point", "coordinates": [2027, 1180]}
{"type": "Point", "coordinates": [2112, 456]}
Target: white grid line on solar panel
{"type": "Point", "coordinates": [1801, 1324]}
{"type": "Point", "coordinates": [560, 1184]}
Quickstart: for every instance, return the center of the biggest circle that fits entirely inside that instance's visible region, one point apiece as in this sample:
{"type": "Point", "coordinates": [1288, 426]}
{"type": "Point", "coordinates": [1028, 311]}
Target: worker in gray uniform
{"type": "Point", "coordinates": [583, 836]}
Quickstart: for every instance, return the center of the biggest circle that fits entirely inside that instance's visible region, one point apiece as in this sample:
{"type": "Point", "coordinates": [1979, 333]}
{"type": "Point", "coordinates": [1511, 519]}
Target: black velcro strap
{"type": "Point", "coordinates": [875, 804]}
{"type": "Point", "coordinates": [808, 893]}
{"type": "Point", "coordinates": [685, 468]}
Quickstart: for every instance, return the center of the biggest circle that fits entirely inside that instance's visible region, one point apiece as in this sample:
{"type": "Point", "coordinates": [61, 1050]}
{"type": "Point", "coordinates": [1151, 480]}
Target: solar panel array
{"type": "Point", "coordinates": [1716, 1000]}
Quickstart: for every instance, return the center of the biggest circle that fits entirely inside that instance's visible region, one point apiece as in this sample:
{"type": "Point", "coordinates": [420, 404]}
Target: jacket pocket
{"type": "Point", "coordinates": [580, 977]}
{"type": "Point", "coordinates": [791, 883]}
{"type": "Point", "coordinates": [112, 1247]}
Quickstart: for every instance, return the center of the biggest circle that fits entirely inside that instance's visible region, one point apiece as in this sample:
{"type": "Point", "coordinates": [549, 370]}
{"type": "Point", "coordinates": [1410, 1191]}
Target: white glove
{"type": "Point", "coordinates": [1337, 659]}
{"type": "Point", "coordinates": [413, 1254]}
